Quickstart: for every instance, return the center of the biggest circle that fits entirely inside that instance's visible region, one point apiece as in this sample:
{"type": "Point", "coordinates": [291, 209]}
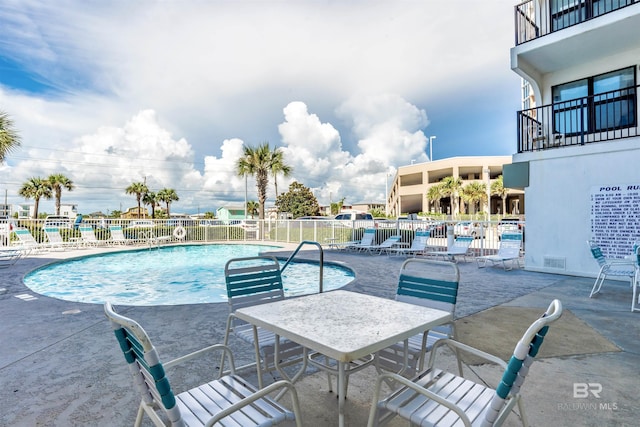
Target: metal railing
{"type": "Point", "coordinates": [321, 232]}
{"type": "Point", "coordinates": [321, 261]}
{"type": "Point", "coordinates": [532, 21]}
{"type": "Point", "coordinates": [603, 117]}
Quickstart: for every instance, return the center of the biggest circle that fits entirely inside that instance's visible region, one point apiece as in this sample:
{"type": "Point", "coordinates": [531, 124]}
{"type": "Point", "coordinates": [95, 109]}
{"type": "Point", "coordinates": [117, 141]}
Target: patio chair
{"type": "Point", "coordinates": [508, 251]}
{"type": "Point", "coordinates": [385, 246]}
{"type": "Point", "coordinates": [368, 240]}
{"type": "Point", "coordinates": [418, 246]}
{"type": "Point", "coordinates": [251, 281]}
{"type": "Point", "coordinates": [460, 248]}
{"type": "Point", "coordinates": [88, 236]}
{"type": "Point", "coordinates": [9, 256]}
{"type": "Point", "coordinates": [227, 400]}
{"type": "Point", "coordinates": [118, 237]}
{"type": "Point", "coordinates": [56, 241]}
{"type": "Point", "coordinates": [610, 267]}
{"type": "Point", "coordinates": [428, 283]}
{"type": "Point", "coordinates": [26, 240]}
{"type": "Point", "coordinates": [439, 398]}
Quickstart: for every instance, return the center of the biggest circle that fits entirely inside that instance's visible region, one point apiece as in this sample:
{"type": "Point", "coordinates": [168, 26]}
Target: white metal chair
{"type": "Point", "coordinates": [508, 251]}
{"type": "Point", "coordinates": [440, 398]}
{"type": "Point", "coordinates": [461, 246]}
{"type": "Point", "coordinates": [635, 302]}
{"type": "Point", "coordinates": [427, 283]}
{"type": "Point", "coordinates": [251, 281]}
{"type": "Point", "coordinates": [27, 241]}
{"type": "Point", "coordinates": [384, 246]}
{"type": "Point", "coordinates": [418, 245]}
{"type": "Point", "coordinates": [610, 267]}
{"type": "Point", "coordinates": [227, 400]}
{"type": "Point", "coordinates": [368, 240]}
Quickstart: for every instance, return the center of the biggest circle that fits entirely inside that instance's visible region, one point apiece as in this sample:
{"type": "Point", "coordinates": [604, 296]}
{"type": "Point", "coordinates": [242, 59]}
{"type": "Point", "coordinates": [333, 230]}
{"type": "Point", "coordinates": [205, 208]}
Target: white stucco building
{"type": "Point", "coordinates": [578, 149]}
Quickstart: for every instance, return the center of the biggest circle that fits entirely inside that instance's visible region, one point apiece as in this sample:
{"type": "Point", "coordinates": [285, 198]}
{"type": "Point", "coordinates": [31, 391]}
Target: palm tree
{"type": "Point", "coordinates": [57, 182]}
{"type": "Point", "coordinates": [473, 193]}
{"type": "Point", "coordinates": [252, 208]}
{"type": "Point", "coordinates": [278, 166]}
{"type": "Point", "coordinates": [435, 193]}
{"type": "Point", "coordinates": [167, 195]}
{"type": "Point", "coordinates": [497, 188]}
{"type": "Point", "coordinates": [450, 188]}
{"type": "Point", "coordinates": [150, 198]}
{"type": "Point", "coordinates": [35, 189]}
{"type": "Point", "coordinates": [9, 138]}
{"type": "Point", "coordinates": [257, 162]}
{"type": "Point", "coordinates": [139, 189]}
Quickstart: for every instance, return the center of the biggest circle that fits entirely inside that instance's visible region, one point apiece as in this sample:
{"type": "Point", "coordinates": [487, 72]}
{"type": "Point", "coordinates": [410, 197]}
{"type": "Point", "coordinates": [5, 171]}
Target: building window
{"type": "Point", "coordinates": [595, 104]}
{"type": "Point", "coordinates": [565, 13]}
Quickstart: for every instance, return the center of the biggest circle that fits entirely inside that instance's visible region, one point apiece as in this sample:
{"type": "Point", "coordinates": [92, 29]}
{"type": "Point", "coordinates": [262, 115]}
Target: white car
{"type": "Point", "coordinates": [142, 223]}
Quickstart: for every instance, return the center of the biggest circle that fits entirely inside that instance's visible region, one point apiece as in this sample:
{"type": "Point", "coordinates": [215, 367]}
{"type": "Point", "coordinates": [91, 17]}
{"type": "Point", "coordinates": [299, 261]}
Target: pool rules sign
{"type": "Point", "coordinates": [615, 218]}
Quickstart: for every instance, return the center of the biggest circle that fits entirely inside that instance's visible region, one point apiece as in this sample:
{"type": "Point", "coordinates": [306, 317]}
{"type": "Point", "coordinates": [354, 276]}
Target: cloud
{"type": "Point", "coordinates": [173, 90]}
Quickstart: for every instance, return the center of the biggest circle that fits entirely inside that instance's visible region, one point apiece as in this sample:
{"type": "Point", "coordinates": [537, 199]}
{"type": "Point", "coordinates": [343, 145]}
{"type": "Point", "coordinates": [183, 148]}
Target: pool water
{"type": "Point", "coordinates": [169, 275]}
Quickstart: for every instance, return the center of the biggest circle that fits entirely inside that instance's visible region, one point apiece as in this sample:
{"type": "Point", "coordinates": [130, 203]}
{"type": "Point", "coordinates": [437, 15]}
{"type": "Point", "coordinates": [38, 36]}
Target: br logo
{"type": "Point", "coordinates": [584, 390]}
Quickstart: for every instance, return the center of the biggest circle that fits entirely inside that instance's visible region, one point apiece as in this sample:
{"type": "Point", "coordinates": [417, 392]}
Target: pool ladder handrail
{"type": "Point", "coordinates": [308, 242]}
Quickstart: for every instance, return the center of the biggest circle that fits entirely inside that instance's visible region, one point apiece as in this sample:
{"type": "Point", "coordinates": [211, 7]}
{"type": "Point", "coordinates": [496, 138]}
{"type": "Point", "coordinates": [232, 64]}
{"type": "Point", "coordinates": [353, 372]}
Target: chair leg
{"type": "Point", "coordinates": [635, 304]}
{"type": "Point", "coordinates": [598, 283]}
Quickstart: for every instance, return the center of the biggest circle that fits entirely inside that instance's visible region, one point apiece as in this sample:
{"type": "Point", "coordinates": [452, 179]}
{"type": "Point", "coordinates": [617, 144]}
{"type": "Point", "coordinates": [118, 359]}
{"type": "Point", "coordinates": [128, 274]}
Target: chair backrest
{"type": "Point", "coordinates": [596, 251]}
{"type": "Point", "coordinates": [390, 241]}
{"type": "Point", "coordinates": [252, 280]}
{"type": "Point", "coordinates": [116, 232]}
{"type": "Point", "coordinates": [144, 364]}
{"type": "Point", "coordinates": [87, 233]}
{"type": "Point", "coordinates": [519, 364]}
{"type": "Point", "coordinates": [461, 245]}
{"type": "Point", "coordinates": [429, 283]}
{"type": "Point", "coordinates": [420, 240]}
{"type": "Point", "coordinates": [368, 237]}
{"type": "Point", "coordinates": [510, 245]}
{"type": "Point", "coordinates": [25, 236]}
{"type": "Point", "coordinates": [53, 234]}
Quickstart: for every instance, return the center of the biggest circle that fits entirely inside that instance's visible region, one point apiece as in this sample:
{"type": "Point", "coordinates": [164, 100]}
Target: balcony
{"type": "Point", "coordinates": [535, 18]}
{"type": "Point", "coordinates": [604, 117]}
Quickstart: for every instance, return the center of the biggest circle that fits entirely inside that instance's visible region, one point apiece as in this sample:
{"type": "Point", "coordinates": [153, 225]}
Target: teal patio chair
{"type": "Point", "coordinates": [251, 281]}
{"type": "Point", "coordinates": [227, 400]}
{"type": "Point", "coordinates": [439, 398]}
{"type": "Point", "coordinates": [428, 283]}
{"type": "Point", "coordinates": [610, 267]}
{"type": "Point", "coordinates": [460, 248]}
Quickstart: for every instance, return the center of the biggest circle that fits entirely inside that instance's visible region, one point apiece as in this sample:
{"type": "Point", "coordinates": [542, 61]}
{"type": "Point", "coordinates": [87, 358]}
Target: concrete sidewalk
{"type": "Point", "coordinates": [60, 364]}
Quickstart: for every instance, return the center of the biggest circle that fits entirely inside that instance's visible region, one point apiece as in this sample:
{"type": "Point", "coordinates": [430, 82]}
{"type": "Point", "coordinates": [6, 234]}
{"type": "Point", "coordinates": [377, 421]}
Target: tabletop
{"type": "Point", "coordinates": [341, 324]}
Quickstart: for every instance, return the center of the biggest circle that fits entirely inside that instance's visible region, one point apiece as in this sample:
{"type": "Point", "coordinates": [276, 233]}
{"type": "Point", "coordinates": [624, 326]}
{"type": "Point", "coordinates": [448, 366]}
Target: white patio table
{"type": "Point", "coordinates": [343, 325]}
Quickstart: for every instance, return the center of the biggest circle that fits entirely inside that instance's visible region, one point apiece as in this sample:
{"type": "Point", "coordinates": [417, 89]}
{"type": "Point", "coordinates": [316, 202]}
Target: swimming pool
{"type": "Point", "coordinates": [171, 275]}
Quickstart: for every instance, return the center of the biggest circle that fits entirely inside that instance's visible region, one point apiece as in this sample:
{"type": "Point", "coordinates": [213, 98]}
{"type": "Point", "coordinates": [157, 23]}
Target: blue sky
{"type": "Point", "coordinates": [114, 92]}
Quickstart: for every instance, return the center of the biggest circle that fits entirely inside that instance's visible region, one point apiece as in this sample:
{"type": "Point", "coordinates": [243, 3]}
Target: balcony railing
{"type": "Point", "coordinates": [531, 21]}
{"type": "Point", "coordinates": [603, 117]}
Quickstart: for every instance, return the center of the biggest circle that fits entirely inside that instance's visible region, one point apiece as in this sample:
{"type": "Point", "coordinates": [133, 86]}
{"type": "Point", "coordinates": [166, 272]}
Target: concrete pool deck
{"type": "Point", "coordinates": [60, 364]}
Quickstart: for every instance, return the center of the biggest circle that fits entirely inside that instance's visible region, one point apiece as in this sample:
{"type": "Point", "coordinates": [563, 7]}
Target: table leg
{"type": "Point", "coordinates": [341, 396]}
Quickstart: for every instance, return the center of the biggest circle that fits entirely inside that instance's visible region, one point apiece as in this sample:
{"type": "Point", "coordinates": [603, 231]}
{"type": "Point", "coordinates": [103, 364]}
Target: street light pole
{"type": "Point", "coordinates": [431, 138]}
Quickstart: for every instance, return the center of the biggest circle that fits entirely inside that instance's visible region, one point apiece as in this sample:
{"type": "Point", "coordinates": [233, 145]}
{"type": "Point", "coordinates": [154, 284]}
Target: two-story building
{"type": "Point", "coordinates": [578, 148]}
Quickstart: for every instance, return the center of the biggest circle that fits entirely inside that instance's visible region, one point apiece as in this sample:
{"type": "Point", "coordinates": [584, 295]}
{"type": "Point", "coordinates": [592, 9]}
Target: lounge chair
{"type": "Point", "coordinates": [227, 400]}
{"type": "Point", "coordinates": [508, 251]}
{"type": "Point", "coordinates": [368, 240]}
{"type": "Point", "coordinates": [460, 248]}
{"type": "Point", "coordinates": [385, 246]}
{"type": "Point", "coordinates": [251, 281]}
{"type": "Point", "coordinates": [88, 236]}
{"type": "Point", "coordinates": [55, 239]}
{"type": "Point", "coordinates": [610, 267]}
{"type": "Point", "coordinates": [118, 237]}
{"type": "Point", "coordinates": [418, 246]}
{"type": "Point", "coordinates": [428, 283]}
{"type": "Point", "coordinates": [436, 397]}
{"type": "Point", "coordinates": [9, 256]}
{"type": "Point", "coordinates": [27, 241]}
